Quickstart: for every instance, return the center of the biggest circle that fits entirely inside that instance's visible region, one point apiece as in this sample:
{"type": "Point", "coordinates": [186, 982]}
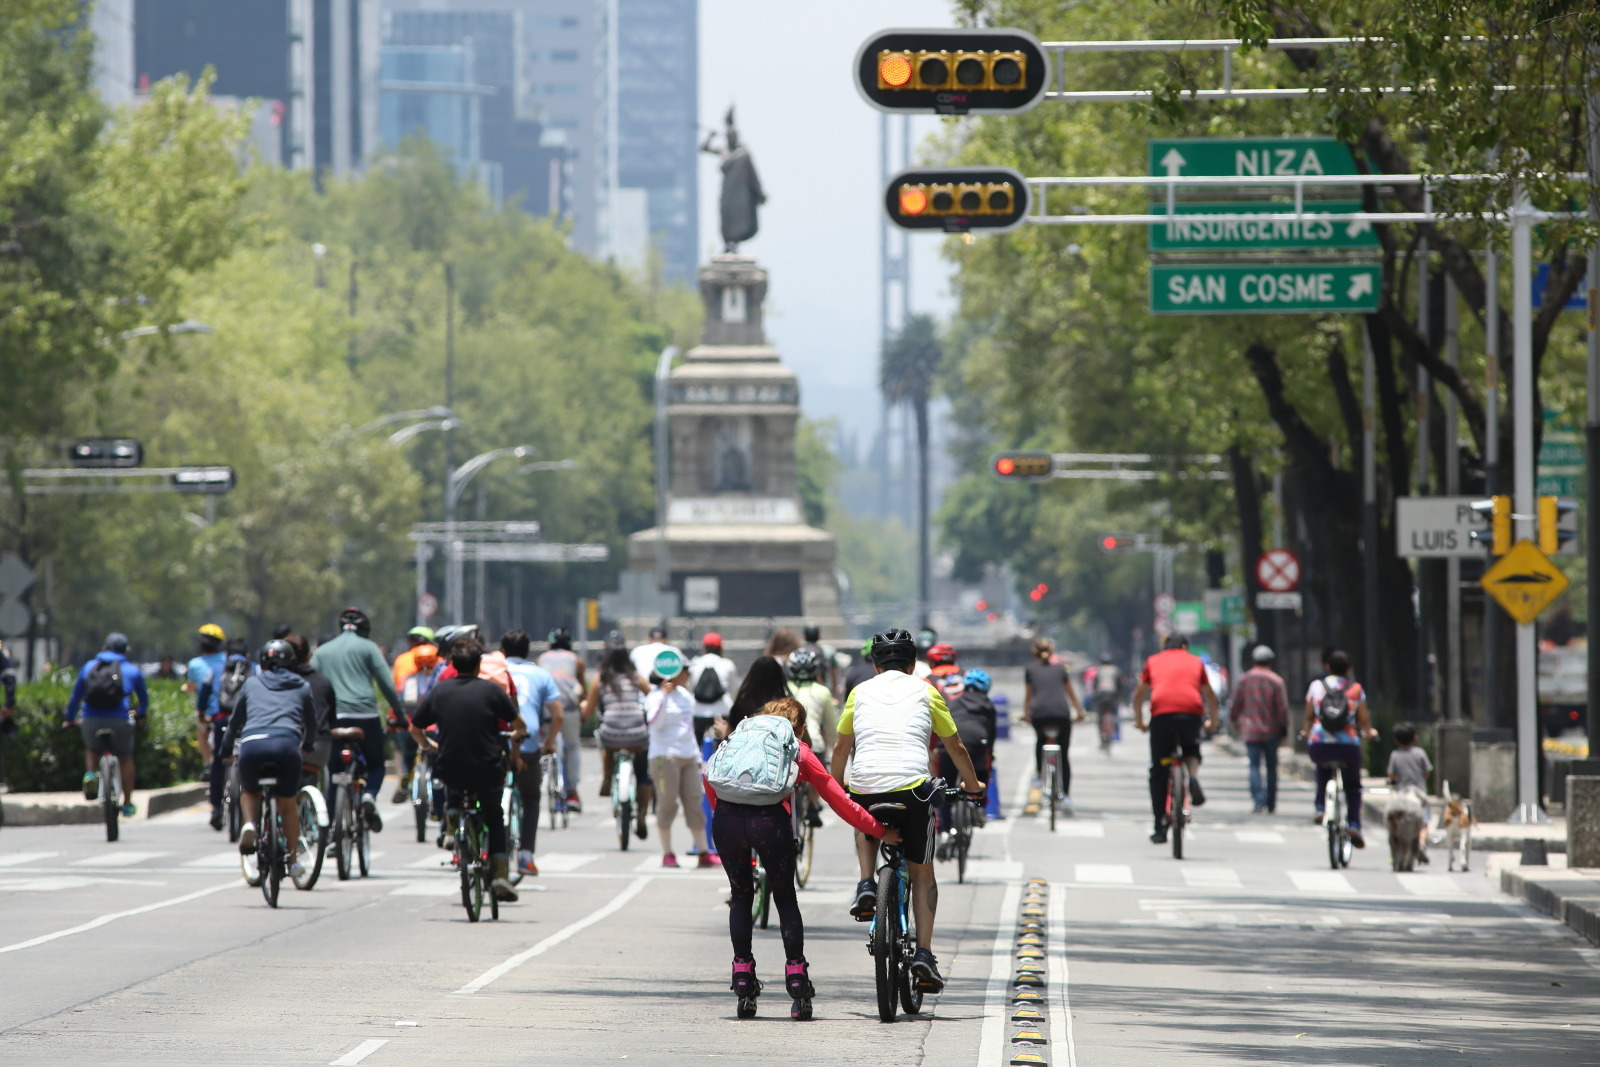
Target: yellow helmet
{"type": "Point", "coordinates": [211, 629]}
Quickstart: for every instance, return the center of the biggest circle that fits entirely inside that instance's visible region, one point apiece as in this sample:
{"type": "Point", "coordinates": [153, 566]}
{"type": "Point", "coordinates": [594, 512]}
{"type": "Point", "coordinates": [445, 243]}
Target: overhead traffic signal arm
{"type": "Point", "coordinates": [957, 199]}
{"type": "Point", "coordinates": [953, 72]}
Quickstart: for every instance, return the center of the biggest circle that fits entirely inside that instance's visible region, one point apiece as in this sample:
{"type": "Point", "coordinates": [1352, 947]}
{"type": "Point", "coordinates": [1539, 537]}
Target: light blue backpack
{"type": "Point", "coordinates": [758, 764]}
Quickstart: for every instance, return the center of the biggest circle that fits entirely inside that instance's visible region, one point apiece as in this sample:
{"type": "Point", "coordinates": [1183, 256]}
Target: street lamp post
{"type": "Point", "coordinates": [454, 487]}
{"type": "Point", "coordinates": [663, 570]}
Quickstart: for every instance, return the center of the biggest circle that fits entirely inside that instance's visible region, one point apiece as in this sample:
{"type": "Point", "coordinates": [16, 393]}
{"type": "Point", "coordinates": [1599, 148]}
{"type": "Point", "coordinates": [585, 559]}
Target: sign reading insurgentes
{"type": "Point", "coordinates": [1263, 289]}
{"type": "Point", "coordinates": [1192, 231]}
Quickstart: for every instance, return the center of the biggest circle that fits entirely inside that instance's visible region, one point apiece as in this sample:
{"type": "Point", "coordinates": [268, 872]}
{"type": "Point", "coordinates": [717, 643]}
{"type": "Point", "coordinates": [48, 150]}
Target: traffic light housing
{"type": "Point", "coordinates": [953, 72]}
{"type": "Point", "coordinates": [100, 452]}
{"type": "Point", "coordinates": [1119, 542]}
{"type": "Point", "coordinates": [1551, 536]}
{"type": "Point", "coordinates": [1498, 511]}
{"type": "Point", "coordinates": [956, 200]}
{"type": "Point", "coordinates": [1022, 466]}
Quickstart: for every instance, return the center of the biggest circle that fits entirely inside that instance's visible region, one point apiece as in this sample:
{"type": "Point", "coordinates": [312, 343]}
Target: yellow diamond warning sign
{"type": "Point", "coordinates": [1524, 582]}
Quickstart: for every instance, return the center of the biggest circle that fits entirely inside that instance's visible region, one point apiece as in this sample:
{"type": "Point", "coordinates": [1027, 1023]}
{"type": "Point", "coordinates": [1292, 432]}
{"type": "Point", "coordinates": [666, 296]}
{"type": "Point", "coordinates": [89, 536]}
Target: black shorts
{"type": "Point", "coordinates": [274, 756]}
{"type": "Point", "coordinates": [915, 823]}
{"type": "Point", "coordinates": [1174, 730]}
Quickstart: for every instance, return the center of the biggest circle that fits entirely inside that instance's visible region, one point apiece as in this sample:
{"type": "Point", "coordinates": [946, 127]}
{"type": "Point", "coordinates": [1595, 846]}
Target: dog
{"type": "Point", "coordinates": [1406, 823]}
{"type": "Point", "coordinates": [1457, 823]}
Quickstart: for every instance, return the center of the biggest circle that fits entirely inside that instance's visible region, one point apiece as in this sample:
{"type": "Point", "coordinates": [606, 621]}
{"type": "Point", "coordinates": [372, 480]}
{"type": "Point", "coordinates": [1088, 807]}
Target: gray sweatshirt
{"type": "Point", "coordinates": [275, 701]}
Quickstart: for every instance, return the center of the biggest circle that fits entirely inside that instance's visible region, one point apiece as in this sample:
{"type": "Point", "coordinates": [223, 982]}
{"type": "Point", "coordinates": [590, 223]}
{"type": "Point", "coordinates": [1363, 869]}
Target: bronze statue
{"type": "Point", "coordinates": [741, 189]}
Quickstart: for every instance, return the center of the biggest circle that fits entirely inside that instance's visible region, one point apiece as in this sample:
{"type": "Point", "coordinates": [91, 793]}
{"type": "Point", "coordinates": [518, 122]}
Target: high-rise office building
{"type": "Point", "coordinates": [658, 105]}
{"type": "Point", "coordinates": [430, 90]}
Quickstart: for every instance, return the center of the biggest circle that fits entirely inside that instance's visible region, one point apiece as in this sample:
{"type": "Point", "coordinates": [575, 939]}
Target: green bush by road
{"type": "Point", "coordinates": [44, 757]}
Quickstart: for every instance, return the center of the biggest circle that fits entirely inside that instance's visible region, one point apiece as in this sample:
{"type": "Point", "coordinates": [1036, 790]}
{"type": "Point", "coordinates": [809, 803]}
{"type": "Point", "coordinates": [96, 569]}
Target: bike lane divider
{"type": "Point", "coordinates": [611, 907]}
{"type": "Point", "coordinates": [102, 920]}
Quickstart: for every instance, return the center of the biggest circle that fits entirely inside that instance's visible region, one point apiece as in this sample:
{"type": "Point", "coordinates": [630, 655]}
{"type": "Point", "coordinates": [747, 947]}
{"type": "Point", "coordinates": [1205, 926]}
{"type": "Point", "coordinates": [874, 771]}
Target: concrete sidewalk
{"type": "Point", "coordinates": [60, 809]}
{"type": "Point", "coordinates": [1571, 895]}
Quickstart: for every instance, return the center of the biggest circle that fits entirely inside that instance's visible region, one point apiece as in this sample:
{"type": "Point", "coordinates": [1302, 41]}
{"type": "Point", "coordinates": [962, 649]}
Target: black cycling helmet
{"type": "Point", "coordinates": [927, 637]}
{"type": "Point", "coordinates": [804, 665]}
{"type": "Point", "coordinates": [614, 639]}
{"type": "Point", "coordinates": [447, 636]}
{"type": "Point", "coordinates": [893, 646]}
{"type": "Point", "coordinates": [355, 619]}
{"type": "Point", "coordinates": [561, 637]}
{"type": "Point", "coordinates": [278, 653]}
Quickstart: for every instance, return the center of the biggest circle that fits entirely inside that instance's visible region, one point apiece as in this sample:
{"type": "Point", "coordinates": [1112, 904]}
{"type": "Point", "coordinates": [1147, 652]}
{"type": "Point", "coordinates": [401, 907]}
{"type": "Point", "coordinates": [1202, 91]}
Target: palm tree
{"type": "Point", "coordinates": [906, 373]}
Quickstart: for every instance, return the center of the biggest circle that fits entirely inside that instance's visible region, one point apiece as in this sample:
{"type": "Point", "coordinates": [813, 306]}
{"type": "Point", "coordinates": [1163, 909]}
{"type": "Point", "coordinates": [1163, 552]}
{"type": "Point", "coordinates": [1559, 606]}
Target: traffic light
{"type": "Point", "coordinates": [953, 72]}
{"type": "Point", "coordinates": [1498, 511]}
{"type": "Point", "coordinates": [1119, 542]}
{"type": "Point", "coordinates": [203, 479]}
{"type": "Point", "coordinates": [1022, 466]}
{"type": "Point", "coordinates": [1037, 593]}
{"type": "Point", "coordinates": [957, 200]}
{"type": "Point", "coordinates": [1551, 536]}
{"type": "Point", "coordinates": [107, 452]}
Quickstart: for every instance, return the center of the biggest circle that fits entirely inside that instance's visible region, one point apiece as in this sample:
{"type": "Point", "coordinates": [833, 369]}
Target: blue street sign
{"type": "Point", "coordinates": [1541, 281]}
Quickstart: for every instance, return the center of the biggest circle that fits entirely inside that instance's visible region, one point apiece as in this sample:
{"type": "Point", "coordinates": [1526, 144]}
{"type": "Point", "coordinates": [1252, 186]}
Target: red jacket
{"type": "Point", "coordinates": [828, 788]}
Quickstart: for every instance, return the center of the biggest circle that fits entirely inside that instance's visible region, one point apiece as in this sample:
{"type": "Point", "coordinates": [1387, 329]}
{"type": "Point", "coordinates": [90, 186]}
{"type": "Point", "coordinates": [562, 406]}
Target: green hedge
{"type": "Point", "coordinates": [44, 757]}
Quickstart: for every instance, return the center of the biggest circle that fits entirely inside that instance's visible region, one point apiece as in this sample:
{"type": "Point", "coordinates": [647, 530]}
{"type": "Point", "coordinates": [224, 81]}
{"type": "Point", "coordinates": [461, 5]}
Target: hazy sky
{"type": "Point", "coordinates": [787, 68]}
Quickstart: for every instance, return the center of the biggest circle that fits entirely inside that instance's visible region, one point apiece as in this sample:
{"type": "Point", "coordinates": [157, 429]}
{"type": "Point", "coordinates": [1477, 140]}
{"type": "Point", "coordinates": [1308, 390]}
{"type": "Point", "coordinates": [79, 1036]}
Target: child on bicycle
{"type": "Point", "coordinates": [767, 830]}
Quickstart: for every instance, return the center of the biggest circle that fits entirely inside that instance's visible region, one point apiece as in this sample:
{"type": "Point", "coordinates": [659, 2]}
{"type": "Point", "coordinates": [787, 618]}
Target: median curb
{"type": "Point", "coordinates": [1572, 896]}
{"type": "Point", "coordinates": [66, 809]}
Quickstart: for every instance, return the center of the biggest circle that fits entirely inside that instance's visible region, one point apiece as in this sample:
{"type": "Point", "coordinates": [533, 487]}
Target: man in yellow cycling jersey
{"type": "Point", "coordinates": [888, 726]}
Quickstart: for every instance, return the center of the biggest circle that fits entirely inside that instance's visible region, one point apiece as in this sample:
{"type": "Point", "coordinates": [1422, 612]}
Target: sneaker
{"type": "Point", "coordinates": [574, 805]}
{"type": "Point", "coordinates": [369, 811]}
{"type": "Point", "coordinates": [129, 810]}
{"type": "Point", "coordinates": [91, 785]}
{"type": "Point", "coordinates": [1064, 805]}
{"type": "Point", "coordinates": [1422, 857]}
{"type": "Point", "coordinates": [866, 901]}
{"type": "Point", "coordinates": [1159, 837]}
{"type": "Point", "coordinates": [447, 842]}
{"type": "Point", "coordinates": [503, 891]}
{"type": "Point", "coordinates": [297, 869]}
{"type": "Point", "coordinates": [527, 866]}
{"type": "Point", "coordinates": [216, 818]}
{"type": "Point", "coordinates": [1316, 820]}
{"type": "Point", "coordinates": [1356, 839]}
{"type": "Point", "coordinates": [814, 818]}
{"type": "Point", "coordinates": [669, 860]}
{"type": "Point", "coordinates": [640, 831]}
{"type": "Point", "coordinates": [925, 968]}
{"type": "Point", "coordinates": [247, 838]}
{"type": "Point", "coordinates": [402, 792]}
{"type": "Point", "coordinates": [1197, 796]}
{"type": "Point", "coordinates": [708, 859]}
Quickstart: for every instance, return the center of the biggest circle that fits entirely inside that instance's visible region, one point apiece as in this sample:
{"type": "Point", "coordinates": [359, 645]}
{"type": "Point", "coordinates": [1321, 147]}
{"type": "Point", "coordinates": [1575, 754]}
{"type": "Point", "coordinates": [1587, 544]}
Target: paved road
{"type": "Point", "coordinates": [1251, 951]}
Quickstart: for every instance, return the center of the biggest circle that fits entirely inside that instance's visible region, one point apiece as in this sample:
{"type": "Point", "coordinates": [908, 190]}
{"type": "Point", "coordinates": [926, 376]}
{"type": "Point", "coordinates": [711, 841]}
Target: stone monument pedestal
{"type": "Point", "coordinates": [740, 557]}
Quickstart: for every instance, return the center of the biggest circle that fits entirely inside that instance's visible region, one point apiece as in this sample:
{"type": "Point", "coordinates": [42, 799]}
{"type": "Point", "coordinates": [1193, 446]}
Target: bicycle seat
{"type": "Point", "coordinates": [348, 733]}
{"type": "Point", "coordinates": [886, 811]}
{"type": "Point", "coordinates": [105, 736]}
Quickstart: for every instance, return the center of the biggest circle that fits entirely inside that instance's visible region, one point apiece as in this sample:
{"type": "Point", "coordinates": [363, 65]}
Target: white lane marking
{"type": "Point", "coordinates": [993, 870]}
{"type": "Point", "coordinates": [564, 862]}
{"type": "Point", "coordinates": [432, 888]}
{"type": "Point", "coordinates": [991, 1043]}
{"type": "Point", "coordinates": [51, 883]}
{"type": "Point", "coordinates": [17, 859]}
{"type": "Point", "coordinates": [653, 864]}
{"type": "Point", "coordinates": [217, 860]}
{"type": "Point", "coordinates": [359, 1053]}
{"type": "Point", "coordinates": [1072, 828]}
{"type": "Point", "coordinates": [1426, 885]}
{"type": "Point", "coordinates": [1019, 795]}
{"type": "Point", "coordinates": [431, 863]}
{"type": "Point", "coordinates": [1106, 873]}
{"type": "Point", "coordinates": [1321, 882]}
{"type": "Point", "coordinates": [611, 907]}
{"type": "Point", "coordinates": [1212, 877]}
{"type": "Point", "coordinates": [96, 923]}
{"type": "Point", "coordinates": [1061, 1018]}
{"type": "Point", "coordinates": [116, 859]}
{"type": "Point", "coordinates": [1258, 837]}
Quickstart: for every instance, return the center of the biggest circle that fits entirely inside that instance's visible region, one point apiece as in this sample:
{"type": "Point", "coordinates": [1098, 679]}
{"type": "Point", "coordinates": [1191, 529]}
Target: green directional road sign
{"type": "Point", "coordinates": [1263, 288]}
{"type": "Point", "coordinates": [1261, 157]}
{"type": "Point", "coordinates": [1192, 231]}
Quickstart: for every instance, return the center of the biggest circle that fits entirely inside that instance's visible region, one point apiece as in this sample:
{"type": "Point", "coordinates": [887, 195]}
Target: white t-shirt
{"type": "Point", "coordinates": [671, 719]}
{"type": "Point", "coordinates": [644, 657]}
{"type": "Point", "coordinates": [893, 718]}
{"type": "Point", "coordinates": [726, 672]}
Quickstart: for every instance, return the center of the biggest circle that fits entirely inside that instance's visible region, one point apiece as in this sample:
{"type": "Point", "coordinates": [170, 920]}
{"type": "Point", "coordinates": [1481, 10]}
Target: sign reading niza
{"type": "Point", "coordinates": [1192, 230]}
{"type": "Point", "coordinates": [1263, 289]}
{"type": "Point", "coordinates": [1250, 157]}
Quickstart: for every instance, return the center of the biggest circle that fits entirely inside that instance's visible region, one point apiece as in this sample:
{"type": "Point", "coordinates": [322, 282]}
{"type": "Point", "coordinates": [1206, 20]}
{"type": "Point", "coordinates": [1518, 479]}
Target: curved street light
{"type": "Point", "coordinates": [186, 326]}
{"type": "Point", "coordinates": [549, 465]}
{"type": "Point", "coordinates": [454, 487]}
{"type": "Point", "coordinates": [436, 412]}
{"type": "Point", "coordinates": [401, 436]}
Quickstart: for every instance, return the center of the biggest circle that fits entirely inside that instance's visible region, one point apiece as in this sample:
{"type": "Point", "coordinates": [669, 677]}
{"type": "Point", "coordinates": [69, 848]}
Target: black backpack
{"type": "Point", "coordinates": [1333, 710]}
{"type": "Point", "coordinates": [708, 688]}
{"type": "Point", "coordinates": [235, 673]}
{"type": "Point", "coordinates": [102, 686]}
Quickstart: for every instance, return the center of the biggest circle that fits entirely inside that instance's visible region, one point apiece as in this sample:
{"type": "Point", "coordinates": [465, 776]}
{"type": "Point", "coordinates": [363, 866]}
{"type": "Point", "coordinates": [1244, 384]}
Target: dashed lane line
{"type": "Point", "coordinates": [96, 923]}
{"type": "Point", "coordinates": [359, 1053]}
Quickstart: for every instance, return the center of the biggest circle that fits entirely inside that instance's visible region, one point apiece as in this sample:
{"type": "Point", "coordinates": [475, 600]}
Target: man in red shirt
{"type": "Point", "coordinates": [1180, 699]}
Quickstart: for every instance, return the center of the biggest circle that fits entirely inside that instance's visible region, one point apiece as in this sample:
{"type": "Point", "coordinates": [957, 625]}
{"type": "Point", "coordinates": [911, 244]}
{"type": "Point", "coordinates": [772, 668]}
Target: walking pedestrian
{"type": "Point", "coordinates": [1260, 716]}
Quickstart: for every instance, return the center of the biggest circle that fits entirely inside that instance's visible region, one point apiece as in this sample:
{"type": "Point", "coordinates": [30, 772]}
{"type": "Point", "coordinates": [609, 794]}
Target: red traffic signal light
{"type": "Point", "coordinates": [982, 605]}
{"type": "Point", "coordinates": [957, 200]}
{"type": "Point", "coordinates": [1022, 466]}
{"type": "Point", "coordinates": [953, 72]}
{"type": "Point", "coordinates": [1118, 542]}
{"type": "Point", "coordinates": [1038, 592]}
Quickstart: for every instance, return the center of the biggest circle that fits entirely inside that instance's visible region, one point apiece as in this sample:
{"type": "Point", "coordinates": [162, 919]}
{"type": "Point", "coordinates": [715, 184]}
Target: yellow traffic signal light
{"type": "Point", "coordinates": [1498, 511]}
{"type": "Point", "coordinates": [988, 198]}
{"type": "Point", "coordinates": [1551, 536]}
{"type": "Point", "coordinates": [953, 72]}
{"type": "Point", "coordinates": [1022, 466]}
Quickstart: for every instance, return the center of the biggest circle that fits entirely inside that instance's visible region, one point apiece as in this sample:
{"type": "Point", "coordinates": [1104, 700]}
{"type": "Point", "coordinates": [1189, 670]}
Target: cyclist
{"type": "Point", "coordinates": [1335, 725]}
{"type": "Point", "coordinates": [1180, 700]}
{"type": "Point", "coordinates": [107, 687]}
{"type": "Point", "coordinates": [765, 829]}
{"type": "Point", "coordinates": [644, 657]}
{"type": "Point", "coordinates": [1106, 691]}
{"type": "Point", "coordinates": [975, 717]}
{"type": "Point", "coordinates": [1047, 694]}
{"type": "Point", "coordinates": [354, 665]}
{"type": "Point", "coordinates": [207, 664]}
{"type": "Point", "coordinates": [567, 668]}
{"type": "Point", "coordinates": [539, 705]}
{"type": "Point", "coordinates": [825, 653]}
{"type": "Point", "coordinates": [822, 715]}
{"type": "Point", "coordinates": [674, 756]}
{"type": "Point", "coordinates": [620, 701]}
{"type": "Point", "coordinates": [420, 654]}
{"type": "Point", "coordinates": [323, 703]}
{"type": "Point", "coordinates": [860, 670]}
{"type": "Point", "coordinates": [470, 713]}
{"type": "Point", "coordinates": [942, 670]}
{"type": "Point", "coordinates": [888, 726]}
{"type": "Point", "coordinates": [763, 683]}
{"type": "Point", "coordinates": [713, 694]}
{"type": "Point", "coordinates": [273, 725]}
{"type": "Point", "coordinates": [927, 637]}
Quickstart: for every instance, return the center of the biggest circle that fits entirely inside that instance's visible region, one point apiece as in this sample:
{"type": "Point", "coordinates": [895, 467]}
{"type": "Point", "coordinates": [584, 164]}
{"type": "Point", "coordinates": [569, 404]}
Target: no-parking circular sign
{"type": "Point", "coordinates": [1278, 570]}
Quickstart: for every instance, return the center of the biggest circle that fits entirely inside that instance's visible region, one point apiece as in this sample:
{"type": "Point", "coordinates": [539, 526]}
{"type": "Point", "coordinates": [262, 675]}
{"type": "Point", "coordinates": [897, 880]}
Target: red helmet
{"type": "Point", "coordinates": [941, 654]}
{"type": "Point", "coordinates": [712, 640]}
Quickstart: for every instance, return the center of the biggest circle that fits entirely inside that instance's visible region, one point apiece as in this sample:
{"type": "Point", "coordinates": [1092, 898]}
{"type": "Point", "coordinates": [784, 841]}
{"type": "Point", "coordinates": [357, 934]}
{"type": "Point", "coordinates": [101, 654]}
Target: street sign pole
{"type": "Point", "coordinates": [1523, 515]}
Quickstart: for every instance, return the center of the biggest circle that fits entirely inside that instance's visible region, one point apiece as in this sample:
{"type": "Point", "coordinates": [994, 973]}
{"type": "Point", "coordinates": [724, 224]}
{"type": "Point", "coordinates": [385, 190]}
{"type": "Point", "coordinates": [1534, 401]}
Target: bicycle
{"type": "Point", "coordinates": [1177, 811]}
{"type": "Point", "coordinates": [763, 903]}
{"type": "Point", "coordinates": [624, 783]}
{"type": "Point", "coordinates": [109, 775]}
{"type": "Point", "coordinates": [271, 855]}
{"type": "Point", "coordinates": [350, 836]}
{"type": "Point", "coordinates": [511, 808]}
{"type": "Point", "coordinates": [1341, 849]}
{"type": "Point", "coordinates": [471, 855]}
{"type": "Point", "coordinates": [421, 792]}
{"type": "Point", "coordinates": [958, 838]}
{"type": "Point", "coordinates": [313, 809]}
{"type": "Point", "coordinates": [1108, 727]}
{"type": "Point", "coordinates": [552, 773]}
{"type": "Point", "coordinates": [1051, 778]}
{"type": "Point", "coordinates": [230, 801]}
{"type": "Point", "coordinates": [807, 814]}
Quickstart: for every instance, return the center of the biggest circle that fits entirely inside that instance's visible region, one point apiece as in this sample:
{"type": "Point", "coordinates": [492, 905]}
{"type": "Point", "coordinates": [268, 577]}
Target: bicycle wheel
{"type": "Point", "coordinates": [110, 794]}
{"type": "Point", "coordinates": [1177, 795]}
{"type": "Point", "coordinates": [344, 834]}
{"type": "Point", "coordinates": [1330, 820]}
{"type": "Point", "coordinates": [763, 896]}
{"type": "Point", "coordinates": [554, 798]}
{"type": "Point", "coordinates": [268, 843]}
{"type": "Point", "coordinates": [231, 801]}
{"type": "Point", "coordinates": [486, 874]}
{"type": "Point", "coordinates": [420, 799]}
{"type": "Point", "coordinates": [910, 992]}
{"type": "Point", "coordinates": [886, 945]}
{"type": "Point", "coordinates": [363, 845]}
{"type": "Point", "coordinates": [1052, 770]}
{"type": "Point", "coordinates": [808, 846]}
{"type": "Point", "coordinates": [962, 820]}
{"type": "Point", "coordinates": [312, 838]}
{"type": "Point", "coordinates": [624, 823]}
{"type": "Point", "coordinates": [467, 864]}
{"type": "Point", "coordinates": [511, 803]}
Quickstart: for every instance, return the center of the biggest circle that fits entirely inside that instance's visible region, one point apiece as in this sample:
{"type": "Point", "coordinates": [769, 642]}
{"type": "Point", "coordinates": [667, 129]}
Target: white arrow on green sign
{"type": "Point", "coordinates": [1260, 157]}
{"type": "Point", "coordinates": [1192, 231]}
{"type": "Point", "coordinates": [1263, 289]}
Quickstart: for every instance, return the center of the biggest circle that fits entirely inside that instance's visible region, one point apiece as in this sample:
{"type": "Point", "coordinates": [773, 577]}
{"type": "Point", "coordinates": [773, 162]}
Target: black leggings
{"type": "Point", "coordinates": [1064, 739]}
{"type": "Point", "coordinates": [739, 829]}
